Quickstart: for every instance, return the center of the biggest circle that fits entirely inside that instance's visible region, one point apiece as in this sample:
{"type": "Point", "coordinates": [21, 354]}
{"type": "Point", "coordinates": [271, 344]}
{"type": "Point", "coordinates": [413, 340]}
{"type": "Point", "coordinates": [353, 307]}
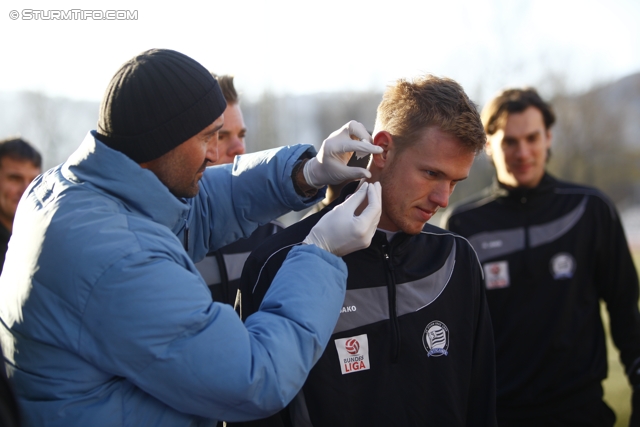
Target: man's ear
{"type": "Point", "coordinates": [549, 137]}
{"type": "Point", "coordinates": [487, 146]}
{"type": "Point", "coordinates": [385, 140]}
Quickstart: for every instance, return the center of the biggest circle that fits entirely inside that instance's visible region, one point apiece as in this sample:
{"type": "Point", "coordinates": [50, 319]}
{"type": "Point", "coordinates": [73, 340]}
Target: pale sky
{"type": "Point", "coordinates": [294, 47]}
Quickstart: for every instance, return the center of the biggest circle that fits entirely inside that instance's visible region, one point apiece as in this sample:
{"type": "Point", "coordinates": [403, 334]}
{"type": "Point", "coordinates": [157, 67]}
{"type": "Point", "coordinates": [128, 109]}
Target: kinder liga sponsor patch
{"type": "Point", "coordinates": [353, 353]}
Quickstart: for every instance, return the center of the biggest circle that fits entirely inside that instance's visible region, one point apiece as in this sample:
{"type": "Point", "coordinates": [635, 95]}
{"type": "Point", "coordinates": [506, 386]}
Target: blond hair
{"type": "Point", "coordinates": [409, 107]}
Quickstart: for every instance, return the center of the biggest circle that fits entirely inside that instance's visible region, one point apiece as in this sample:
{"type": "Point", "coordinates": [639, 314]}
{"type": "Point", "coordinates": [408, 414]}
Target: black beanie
{"type": "Point", "coordinates": [155, 102]}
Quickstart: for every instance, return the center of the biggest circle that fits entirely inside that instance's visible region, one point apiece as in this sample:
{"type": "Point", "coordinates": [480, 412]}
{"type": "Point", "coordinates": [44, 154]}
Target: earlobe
{"type": "Point", "coordinates": [487, 147]}
{"type": "Point", "coordinates": [378, 160]}
{"type": "Point", "coordinates": [385, 140]}
{"type": "Point", "coordinates": [549, 138]}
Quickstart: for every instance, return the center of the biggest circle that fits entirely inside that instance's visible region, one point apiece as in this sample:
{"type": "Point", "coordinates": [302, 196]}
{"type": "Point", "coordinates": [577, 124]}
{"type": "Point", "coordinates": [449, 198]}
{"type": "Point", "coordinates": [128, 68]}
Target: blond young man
{"type": "Point", "coordinates": [413, 344]}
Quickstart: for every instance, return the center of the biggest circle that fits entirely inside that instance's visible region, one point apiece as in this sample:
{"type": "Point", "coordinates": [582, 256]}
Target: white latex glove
{"type": "Point", "coordinates": [330, 165]}
{"type": "Point", "coordinates": [341, 231]}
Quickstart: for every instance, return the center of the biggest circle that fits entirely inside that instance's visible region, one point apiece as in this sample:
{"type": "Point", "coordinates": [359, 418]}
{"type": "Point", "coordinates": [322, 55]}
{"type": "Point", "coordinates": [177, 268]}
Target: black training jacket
{"type": "Point", "coordinates": [413, 345]}
{"type": "Point", "coordinates": [549, 255]}
{"type": "Point", "coordinates": [221, 269]}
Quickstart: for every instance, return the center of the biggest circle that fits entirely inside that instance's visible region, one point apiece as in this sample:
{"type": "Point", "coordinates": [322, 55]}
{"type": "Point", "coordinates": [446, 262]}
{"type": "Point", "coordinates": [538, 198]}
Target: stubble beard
{"type": "Point", "coordinates": [397, 214]}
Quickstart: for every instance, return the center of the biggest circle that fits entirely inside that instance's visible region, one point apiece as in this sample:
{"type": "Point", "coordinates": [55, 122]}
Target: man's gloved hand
{"type": "Point", "coordinates": [330, 165]}
{"type": "Point", "coordinates": [341, 231]}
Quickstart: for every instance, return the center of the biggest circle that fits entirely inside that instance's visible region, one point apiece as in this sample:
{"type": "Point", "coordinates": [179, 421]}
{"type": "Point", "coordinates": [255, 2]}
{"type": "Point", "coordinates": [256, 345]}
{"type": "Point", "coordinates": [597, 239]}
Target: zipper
{"type": "Point", "coordinates": [393, 314]}
{"type": "Point", "coordinates": [527, 227]}
{"type": "Point", "coordinates": [224, 277]}
{"type": "Point", "coordinates": [186, 236]}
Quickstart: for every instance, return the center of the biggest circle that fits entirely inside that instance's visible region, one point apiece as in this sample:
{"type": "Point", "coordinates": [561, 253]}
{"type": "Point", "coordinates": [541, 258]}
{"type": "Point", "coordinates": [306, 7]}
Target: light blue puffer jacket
{"type": "Point", "coordinates": [106, 321]}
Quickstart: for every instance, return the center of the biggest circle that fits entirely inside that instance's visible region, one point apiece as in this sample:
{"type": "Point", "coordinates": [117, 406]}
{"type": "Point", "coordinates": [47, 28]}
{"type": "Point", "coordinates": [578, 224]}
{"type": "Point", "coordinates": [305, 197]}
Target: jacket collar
{"type": "Point", "coordinates": [380, 237]}
{"type": "Point", "coordinates": [546, 185]}
{"type": "Point", "coordinates": [120, 178]}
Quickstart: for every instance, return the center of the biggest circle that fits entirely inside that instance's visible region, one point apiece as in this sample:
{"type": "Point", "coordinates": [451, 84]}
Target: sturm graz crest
{"type": "Point", "coordinates": [435, 339]}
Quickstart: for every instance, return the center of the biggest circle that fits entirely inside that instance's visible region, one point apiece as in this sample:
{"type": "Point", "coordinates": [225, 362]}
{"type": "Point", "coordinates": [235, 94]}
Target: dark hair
{"type": "Point", "coordinates": [515, 100]}
{"type": "Point", "coordinates": [409, 107]}
{"type": "Point", "coordinates": [19, 149]}
{"type": "Point", "coordinates": [228, 89]}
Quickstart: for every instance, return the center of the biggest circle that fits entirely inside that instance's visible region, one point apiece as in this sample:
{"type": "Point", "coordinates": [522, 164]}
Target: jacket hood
{"type": "Point", "coordinates": [117, 176]}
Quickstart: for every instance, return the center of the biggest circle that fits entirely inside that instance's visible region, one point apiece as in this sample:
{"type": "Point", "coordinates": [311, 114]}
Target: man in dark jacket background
{"type": "Point", "coordinates": [550, 250]}
{"type": "Point", "coordinates": [20, 163]}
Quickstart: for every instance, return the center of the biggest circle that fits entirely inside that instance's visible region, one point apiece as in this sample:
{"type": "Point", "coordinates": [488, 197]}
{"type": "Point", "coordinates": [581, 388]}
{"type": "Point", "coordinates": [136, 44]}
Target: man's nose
{"type": "Point", "coordinates": [522, 150]}
{"type": "Point", "coordinates": [440, 196]}
{"type": "Point", "coordinates": [236, 147]}
{"type": "Point", "coordinates": [23, 186]}
{"type": "Point", "coordinates": [212, 154]}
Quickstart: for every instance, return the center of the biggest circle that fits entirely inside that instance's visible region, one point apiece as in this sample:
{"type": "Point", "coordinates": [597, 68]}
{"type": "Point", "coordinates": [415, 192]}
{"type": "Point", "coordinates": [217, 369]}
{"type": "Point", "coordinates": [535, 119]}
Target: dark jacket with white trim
{"type": "Point", "coordinates": [221, 269]}
{"type": "Point", "coordinates": [550, 254]}
{"type": "Point", "coordinates": [420, 302]}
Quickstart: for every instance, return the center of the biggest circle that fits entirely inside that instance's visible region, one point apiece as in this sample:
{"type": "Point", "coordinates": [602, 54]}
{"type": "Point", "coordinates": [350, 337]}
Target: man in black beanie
{"type": "Point", "coordinates": [106, 320]}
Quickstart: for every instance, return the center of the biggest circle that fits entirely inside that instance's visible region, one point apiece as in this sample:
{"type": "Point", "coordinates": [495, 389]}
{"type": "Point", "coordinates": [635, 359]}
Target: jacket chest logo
{"type": "Point", "coordinates": [562, 266]}
{"type": "Point", "coordinates": [353, 353]}
{"type": "Point", "coordinates": [348, 309]}
{"type": "Point", "coordinates": [496, 274]}
{"type": "Point", "coordinates": [435, 339]}
{"type": "Point", "coordinates": [491, 244]}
